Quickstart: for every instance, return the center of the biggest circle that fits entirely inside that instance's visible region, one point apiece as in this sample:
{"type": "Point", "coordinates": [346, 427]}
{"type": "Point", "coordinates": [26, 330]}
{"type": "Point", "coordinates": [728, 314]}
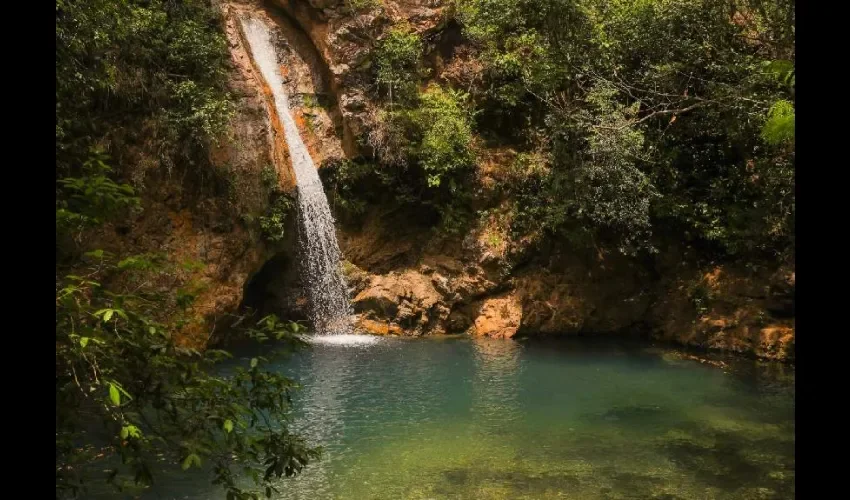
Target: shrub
{"type": "Point", "coordinates": [273, 223]}
{"type": "Point", "coordinates": [445, 149]}
{"type": "Point", "coordinates": [151, 67]}
{"type": "Point", "coordinates": [397, 63]}
{"type": "Point", "coordinates": [119, 367]}
{"type": "Point", "coordinates": [435, 135]}
{"type": "Point", "coordinates": [89, 200]}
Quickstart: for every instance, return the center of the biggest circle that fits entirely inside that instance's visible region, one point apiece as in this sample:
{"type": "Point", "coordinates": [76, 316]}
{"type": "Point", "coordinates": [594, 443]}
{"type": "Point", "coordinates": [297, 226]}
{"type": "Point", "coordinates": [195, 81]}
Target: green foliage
{"type": "Point", "coordinates": [270, 178]}
{"type": "Point", "coordinates": [153, 397]}
{"type": "Point", "coordinates": [534, 210]}
{"type": "Point", "coordinates": [425, 155]}
{"type": "Point", "coordinates": [445, 146]}
{"type": "Point", "coordinates": [272, 328]}
{"type": "Point", "coordinates": [700, 296]}
{"type": "Point", "coordinates": [273, 223]}
{"type": "Point", "coordinates": [648, 112]}
{"type": "Point", "coordinates": [397, 63]}
{"type": "Point", "coordinates": [434, 135]}
{"type": "Point", "coordinates": [455, 216]}
{"type": "Point", "coordinates": [90, 199]}
{"type": "Point", "coordinates": [425, 151]}
{"type": "Point", "coordinates": [529, 48]}
{"type": "Point", "coordinates": [783, 71]}
{"type": "Point", "coordinates": [146, 80]}
{"type": "Point", "coordinates": [779, 126]}
{"type": "Point", "coordinates": [610, 190]}
{"type": "Point", "coordinates": [198, 112]}
{"type": "Point", "coordinates": [363, 5]}
{"type": "Point", "coordinates": [135, 70]}
{"type": "Point", "coordinates": [310, 101]}
{"type": "Point", "coordinates": [344, 178]}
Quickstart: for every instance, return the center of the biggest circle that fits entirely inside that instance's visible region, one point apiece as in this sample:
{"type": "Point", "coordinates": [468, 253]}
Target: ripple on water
{"type": "Point", "coordinates": [343, 340]}
{"type": "Point", "coordinates": [485, 419]}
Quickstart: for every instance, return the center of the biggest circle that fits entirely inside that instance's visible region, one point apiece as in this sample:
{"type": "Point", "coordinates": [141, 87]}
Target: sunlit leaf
{"type": "Point", "coordinates": [191, 459]}
{"type": "Point", "coordinates": [114, 395]}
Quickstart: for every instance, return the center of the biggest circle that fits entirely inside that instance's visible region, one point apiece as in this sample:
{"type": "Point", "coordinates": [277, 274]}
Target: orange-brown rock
{"type": "Point", "coordinates": [727, 309]}
{"type": "Point", "coordinates": [377, 327]}
{"type": "Point", "coordinates": [499, 317]}
{"type": "Point", "coordinates": [263, 128]}
{"type": "Point", "coordinates": [407, 299]}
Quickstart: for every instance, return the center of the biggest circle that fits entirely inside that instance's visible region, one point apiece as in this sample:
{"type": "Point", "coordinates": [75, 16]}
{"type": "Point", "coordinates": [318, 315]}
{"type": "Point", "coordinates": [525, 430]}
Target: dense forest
{"type": "Point", "coordinates": [629, 124]}
{"type": "Point", "coordinates": [628, 117]}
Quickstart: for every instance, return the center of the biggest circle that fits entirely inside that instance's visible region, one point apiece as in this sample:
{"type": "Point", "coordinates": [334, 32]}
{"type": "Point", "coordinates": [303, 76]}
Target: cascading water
{"type": "Point", "coordinates": [320, 255]}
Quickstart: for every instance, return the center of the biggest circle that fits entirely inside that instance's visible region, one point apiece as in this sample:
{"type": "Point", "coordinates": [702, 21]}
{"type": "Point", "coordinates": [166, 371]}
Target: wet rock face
{"type": "Point", "coordinates": [343, 38]}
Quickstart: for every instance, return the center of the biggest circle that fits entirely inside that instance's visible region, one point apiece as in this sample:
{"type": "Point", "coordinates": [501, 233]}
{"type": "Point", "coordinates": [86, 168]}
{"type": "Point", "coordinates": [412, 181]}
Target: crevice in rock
{"type": "Point", "coordinates": [275, 289]}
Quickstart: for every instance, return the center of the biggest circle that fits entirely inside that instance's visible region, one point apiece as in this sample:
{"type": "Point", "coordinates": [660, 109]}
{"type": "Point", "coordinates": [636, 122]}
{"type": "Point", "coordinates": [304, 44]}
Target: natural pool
{"type": "Point", "coordinates": [499, 419]}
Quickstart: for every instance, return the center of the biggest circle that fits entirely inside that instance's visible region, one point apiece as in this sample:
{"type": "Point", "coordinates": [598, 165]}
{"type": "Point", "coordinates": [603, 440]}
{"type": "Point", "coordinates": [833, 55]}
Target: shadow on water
{"type": "Point", "coordinates": [633, 414]}
{"type": "Point", "coordinates": [733, 461]}
{"type": "Point", "coordinates": [463, 480]}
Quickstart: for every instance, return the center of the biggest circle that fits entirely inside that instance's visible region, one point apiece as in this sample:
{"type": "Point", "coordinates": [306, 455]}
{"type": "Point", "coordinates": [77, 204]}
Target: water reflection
{"type": "Point", "coordinates": [326, 379]}
{"type": "Point", "coordinates": [495, 386]}
{"type": "Point", "coordinates": [496, 419]}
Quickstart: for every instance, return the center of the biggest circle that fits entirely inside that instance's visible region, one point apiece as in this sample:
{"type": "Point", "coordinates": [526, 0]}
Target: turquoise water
{"type": "Point", "coordinates": [499, 419]}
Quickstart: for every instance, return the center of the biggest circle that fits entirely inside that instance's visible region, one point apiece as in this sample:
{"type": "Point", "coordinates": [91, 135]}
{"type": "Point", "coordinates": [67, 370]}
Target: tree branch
{"type": "Point", "coordinates": [655, 113]}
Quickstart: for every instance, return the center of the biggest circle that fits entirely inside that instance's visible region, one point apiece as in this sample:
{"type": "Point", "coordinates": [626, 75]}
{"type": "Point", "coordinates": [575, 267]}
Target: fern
{"type": "Point", "coordinates": [779, 126]}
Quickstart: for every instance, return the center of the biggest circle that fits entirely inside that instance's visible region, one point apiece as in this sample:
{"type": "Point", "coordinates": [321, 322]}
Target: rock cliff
{"type": "Point", "coordinates": [405, 279]}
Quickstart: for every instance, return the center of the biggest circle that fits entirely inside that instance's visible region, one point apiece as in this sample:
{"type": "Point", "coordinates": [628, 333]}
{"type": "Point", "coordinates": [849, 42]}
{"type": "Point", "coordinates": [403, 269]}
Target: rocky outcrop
{"type": "Point", "coordinates": [404, 280]}
{"type": "Point", "coordinates": [737, 311]}
{"type": "Point", "coordinates": [729, 309]}
{"type": "Point", "coordinates": [407, 300]}
{"type": "Point", "coordinates": [499, 316]}
{"type": "Point", "coordinates": [468, 288]}
{"type": "Point", "coordinates": [446, 295]}
{"type": "Point", "coordinates": [405, 286]}
{"type": "Point", "coordinates": [344, 37]}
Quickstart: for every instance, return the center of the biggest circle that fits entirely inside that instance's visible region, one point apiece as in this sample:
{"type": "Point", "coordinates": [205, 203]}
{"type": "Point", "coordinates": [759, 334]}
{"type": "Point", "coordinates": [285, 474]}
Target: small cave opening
{"type": "Point", "coordinates": [275, 289]}
{"type": "Point", "coordinates": [450, 39]}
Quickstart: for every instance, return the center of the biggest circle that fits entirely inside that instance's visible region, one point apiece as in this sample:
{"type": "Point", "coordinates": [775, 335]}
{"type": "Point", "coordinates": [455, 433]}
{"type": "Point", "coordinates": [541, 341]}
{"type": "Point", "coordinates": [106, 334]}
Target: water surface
{"type": "Point", "coordinates": [460, 418]}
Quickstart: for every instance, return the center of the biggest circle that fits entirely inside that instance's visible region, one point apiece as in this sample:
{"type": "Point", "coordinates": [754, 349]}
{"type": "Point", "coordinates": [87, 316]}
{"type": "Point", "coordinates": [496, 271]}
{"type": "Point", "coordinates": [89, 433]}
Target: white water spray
{"type": "Point", "coordinates": [320, 256]}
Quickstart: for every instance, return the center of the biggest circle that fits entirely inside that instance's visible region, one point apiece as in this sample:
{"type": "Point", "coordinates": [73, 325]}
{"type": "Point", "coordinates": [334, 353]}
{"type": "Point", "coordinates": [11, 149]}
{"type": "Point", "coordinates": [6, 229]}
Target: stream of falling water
{"type": "Point", "coordinates": [320, 256]}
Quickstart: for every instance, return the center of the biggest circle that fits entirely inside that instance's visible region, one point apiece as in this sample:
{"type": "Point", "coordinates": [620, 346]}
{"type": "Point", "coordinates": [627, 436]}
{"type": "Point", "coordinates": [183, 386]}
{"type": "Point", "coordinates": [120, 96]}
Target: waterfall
{"type": "Point", "coordinates": [326, 289]}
